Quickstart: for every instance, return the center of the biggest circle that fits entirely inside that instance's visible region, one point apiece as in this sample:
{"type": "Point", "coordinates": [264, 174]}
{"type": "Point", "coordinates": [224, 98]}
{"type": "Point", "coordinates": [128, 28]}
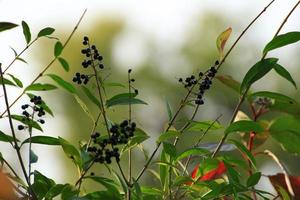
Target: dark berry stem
{"type": "Point", "coordinates": [16, 146]}
{"type": "Point", "coordinates": [129, 152]}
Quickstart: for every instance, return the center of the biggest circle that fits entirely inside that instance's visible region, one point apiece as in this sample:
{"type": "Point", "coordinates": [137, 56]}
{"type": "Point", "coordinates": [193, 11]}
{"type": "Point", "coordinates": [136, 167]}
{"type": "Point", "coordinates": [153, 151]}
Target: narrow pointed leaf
{"type": "Point", "coordinates": [139, 137]}
{"type": "Point", "coordinates": [70, 151]}
{"type": "Point", "coordinates": [84, 107]}
{"type": "Point", "coordinates": [253, 179]}
{"type": "Point", "coordinates": [196, 151]}
{"type": "Point", "coordinates": [90, 95]}
{"type": "Point", "coordinates": [61, 82]}
{"type": "Point", "coordinates": [167, 135]}
{"type": "Point", "coordinates": [285, 74]}
{"type": "Point", "coordinates": [64, 64]}
{"type": "Point", "coordinates": [282, 40]}
{"type": "Point", "coordinates": [27, 121]}
{"type": "Point", "coordinates": [6, 26]}
{"type": "Point", "coordinates": [204, 125]}
{"type": "Point", "coordinates": [273, 95]}
{"type": "Point", "coordinates": [46, 31]}
{"type": "Point", "coordinates": [42, 140]}
{"type": "Point", "coordinates": [6, 82]}
{"type": "Point", "coordinates": [229, 82]}
{"type": "Point", "coordinates": [244, 126]}
{"type": "Point", "coordinates": [169, 149]}
{"type": "Point", "coordinates": [124, 99]}
{"type": "Point", "coordinates": [40, 87]}
{"type": "Point", "coordinates": [245, 151]}
{"type": "Point", "coordinates": [16, 80]}
{"type": "Point", "coordinates": [260, 69]}
{"type": "Point", "coordinates": [6, 138]}
{"type": "Point", "coordinates": [26, 32]}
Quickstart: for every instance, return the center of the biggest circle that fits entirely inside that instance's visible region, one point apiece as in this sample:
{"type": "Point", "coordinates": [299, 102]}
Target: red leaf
{"type": "Point", "coordinates": [215, 173]}
{"type": "Point", "coordinates": [211, 175]}
{"type": "Point", "coordinates": [278, 180]}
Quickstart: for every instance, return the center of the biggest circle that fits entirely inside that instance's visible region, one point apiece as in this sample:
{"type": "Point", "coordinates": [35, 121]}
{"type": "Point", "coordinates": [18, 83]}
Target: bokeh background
{"type": "Point", "coordinates": [161, 41]}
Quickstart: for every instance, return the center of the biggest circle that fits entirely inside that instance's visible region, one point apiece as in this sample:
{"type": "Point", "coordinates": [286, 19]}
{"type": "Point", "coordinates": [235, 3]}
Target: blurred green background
{"type": "Point", "coordinates": [161, 42]}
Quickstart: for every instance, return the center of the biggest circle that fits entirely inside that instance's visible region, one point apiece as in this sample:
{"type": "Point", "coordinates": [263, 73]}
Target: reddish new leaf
{"type": "Point", "coordinates": [278, 180]}
{"type": "Point", "coordinates": [211, 175]}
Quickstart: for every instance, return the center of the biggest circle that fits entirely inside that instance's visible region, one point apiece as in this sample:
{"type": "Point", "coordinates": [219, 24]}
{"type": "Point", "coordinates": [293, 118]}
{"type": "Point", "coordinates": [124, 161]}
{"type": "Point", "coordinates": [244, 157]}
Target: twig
{"type": "Point", "coordinates": [129, 151]}
{"type": "Point", "coordinates": [48, 66]}
{"type": "Point", "coordinates": [18, 55]}
{"type": "Point", "coordinates": [286, 176]}
{"type": "Point", "coordinates": [16, 146]}
{"type": "Point", "coordinates": [242, 98]}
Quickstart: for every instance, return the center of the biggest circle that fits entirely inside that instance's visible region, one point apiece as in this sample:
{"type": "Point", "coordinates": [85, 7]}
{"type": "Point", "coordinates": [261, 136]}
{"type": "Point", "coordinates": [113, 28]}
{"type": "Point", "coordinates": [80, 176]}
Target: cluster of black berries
{"type": "Point", "coordinates": [81, 78]}
{"type": "Point", "coordinates": [104, 150]}
{"type": "Point", "coordinates": [189, 81]}
{"type": "Point", "coordinates": [35, 108]}
{"type": "Point", "coordinates": [205, 83]}
{"type": "Point", "coordinates": [263, 101]}
{"type": "Point", "coordinates": [93, 58]}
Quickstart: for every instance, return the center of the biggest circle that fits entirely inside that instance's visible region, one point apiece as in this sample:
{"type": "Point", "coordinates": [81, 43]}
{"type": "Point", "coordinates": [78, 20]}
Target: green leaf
{"type": "Point", "coordinates": [16, 80]}
{"type": "Point", "coordinates": [21, 59]}
{"type": "Point", "coordinates": [6, 26]}
{"type": "Point", "coordinates": [6, 138]}
{"type": "Point", "coordinates": [169, 110]}
{"type": "Point", "coordinates": [84, 107]}
{"type": "Point", "coordinates": [286, 131]}
{"type": "Point", "coordinates": [42, 105]}
{"type": "Point", "coordinates": [27, 121]}
{"type": "Point", "coordinates": [42, 184]}
{"type": "Point", "coordinates": [90, 95]}
{"type": "Point", "coordinates": [54, 191]}
{"type": "Point", "coordinates": [282, 40]}
{"type": "Point", "coordinates": [272, 95]}
{"type": "Point", "coordinates": [229, 82]}
{"type": "Point", "coordinates": [137, 190]}
{"type": "Point", "coordinates": [139, 137]}
{"type": "Point", "coordinates": [204, 125]}
{"type": "Point", "coordinates": [58, 48]}
{"type": "Point", "coordinates": [180, 180]}
{"type": "Point", "coordinates": [124, 99]}
{"type": "Point", "coordinates": [109, 184]}
{"type": "Point", "coordinates": [163, 170]}
{"type": "Point", "coordinates": [61, 82]}
{"type": "Point", "coordinates": [46, 31]}
{"type": "Point", "coordinates": [40, 87]}
{"type": "Point", "coordinates": [6, 82]}
{"type": "Point", "coordinates": [170, 149]}
{"type": "Point", "coordinates": [285, 74]}
{"type": "Point", "coordinates": [244, 150]}
{"type": "Point", "coordinates": [256, 72]}
{"type": "Point", "coordinates": [26, 32]}
{"type": "Point", "coordinates": [33, 157]}
{"type": "Point", "coordinates": [71, 151]}
{"type": "Point", "coordinates": [292, 109]}
{"type": "Point", "coordinates": [244, 126]}
{"type": "Point", "coordinates": [64, 63]}
{"type": "Point", "coordinates": [167, 135]}
{"type": "Point", "coordinates": [253, 179]}
{"type": "Point", "coordinates": [69, 192]}
{"type": "Point", "coordinates": [196, 151]}
{"type": "Point", "coordinates": [42, 140]}
{"type": "Point", "coordinates": [113, 84]}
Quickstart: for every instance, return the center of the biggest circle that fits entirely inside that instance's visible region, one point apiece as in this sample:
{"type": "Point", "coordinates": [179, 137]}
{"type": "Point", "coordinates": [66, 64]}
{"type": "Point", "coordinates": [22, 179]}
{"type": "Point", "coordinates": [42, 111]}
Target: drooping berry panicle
{"type": "Point", "coordinates": [92, 58]}
{"type": "Point", "coordinates": [104, 149]}
{"type": "Point", "coordinates": [204, 82]}
{"type": "Point", "coordinates": [31, 110]}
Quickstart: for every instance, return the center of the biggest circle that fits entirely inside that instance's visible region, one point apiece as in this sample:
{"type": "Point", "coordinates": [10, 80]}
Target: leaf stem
{"type": "Point", "coordinates": [129, 151]}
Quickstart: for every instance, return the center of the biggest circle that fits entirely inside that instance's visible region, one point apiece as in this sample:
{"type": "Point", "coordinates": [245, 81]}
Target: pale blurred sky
{"type": "Point", "coordinates": [167, 21]}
